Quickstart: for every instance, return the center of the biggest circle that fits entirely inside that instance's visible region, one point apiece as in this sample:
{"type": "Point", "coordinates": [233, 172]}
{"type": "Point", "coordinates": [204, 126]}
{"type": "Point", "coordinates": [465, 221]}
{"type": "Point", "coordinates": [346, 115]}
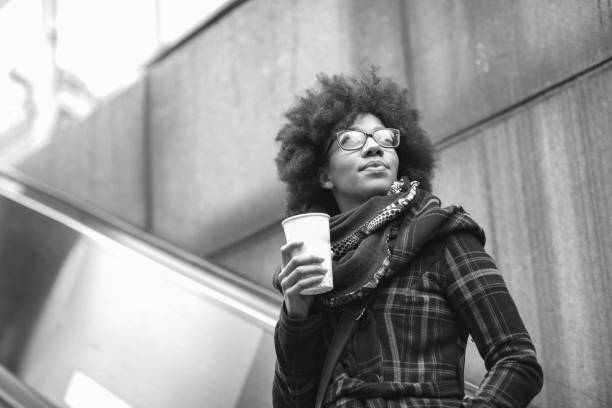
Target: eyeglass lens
{"type": "Point", "coordinates": [355, 139]}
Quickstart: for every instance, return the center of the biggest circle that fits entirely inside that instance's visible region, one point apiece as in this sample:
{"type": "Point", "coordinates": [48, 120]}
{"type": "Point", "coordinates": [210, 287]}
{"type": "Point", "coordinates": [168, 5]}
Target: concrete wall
{"type": "Point", "coordinates": [216, 105]}
{"type": "Point", "coordinates": [100, 160]}
{"type": "Point", "coordinates": [539, 180]}
{"type": "Point", "coordinates": [306, 38]}
{"type": "Point", "coordinates": [473, 58]}
{"type": "Point", "coordinates": [516, 94]}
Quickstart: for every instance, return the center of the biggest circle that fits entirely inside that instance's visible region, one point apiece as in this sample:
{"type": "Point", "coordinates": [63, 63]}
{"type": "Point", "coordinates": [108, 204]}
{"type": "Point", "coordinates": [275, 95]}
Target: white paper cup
{"type": "Point", "coordinates": [313, 230]}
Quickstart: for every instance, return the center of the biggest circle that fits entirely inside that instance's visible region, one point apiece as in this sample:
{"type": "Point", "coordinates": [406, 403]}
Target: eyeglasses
{"type": "Point", "coordinates": [356, 139]}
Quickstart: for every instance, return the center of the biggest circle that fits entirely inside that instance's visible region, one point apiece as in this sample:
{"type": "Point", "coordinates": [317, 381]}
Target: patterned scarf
{"type": "Point", "coordinates": [376, 240]}
{"type": "Point", "coordinates": [360, 242]}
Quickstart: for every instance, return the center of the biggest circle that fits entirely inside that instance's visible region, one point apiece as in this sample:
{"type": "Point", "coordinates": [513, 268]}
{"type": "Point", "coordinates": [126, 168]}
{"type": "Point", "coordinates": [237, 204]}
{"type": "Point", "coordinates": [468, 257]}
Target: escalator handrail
{"type": "Point", "coordinates": [224, 286]}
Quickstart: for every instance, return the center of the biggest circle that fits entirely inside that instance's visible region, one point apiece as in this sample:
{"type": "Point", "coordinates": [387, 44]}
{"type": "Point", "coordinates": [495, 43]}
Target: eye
{"type": "Point", "coordinates": [387, 137]}
{"type": "Point", "coordinates": [351, 139]}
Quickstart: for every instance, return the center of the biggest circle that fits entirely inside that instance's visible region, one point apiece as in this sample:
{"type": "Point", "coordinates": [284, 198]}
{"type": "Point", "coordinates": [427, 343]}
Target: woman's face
{"type": "Point", "coordinates": [357, 175]}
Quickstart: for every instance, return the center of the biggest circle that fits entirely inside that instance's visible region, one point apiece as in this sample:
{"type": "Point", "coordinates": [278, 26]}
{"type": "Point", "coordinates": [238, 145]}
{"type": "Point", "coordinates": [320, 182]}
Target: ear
{"type": "Point", "coordinates": [324, 180]}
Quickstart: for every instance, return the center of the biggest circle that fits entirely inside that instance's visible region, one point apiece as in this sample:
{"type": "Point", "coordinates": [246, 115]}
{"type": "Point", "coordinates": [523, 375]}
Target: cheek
{"type": "Point", "coordinates": [394, 163]}
{"type": "Point", "coordinates": [343, 173]}
{"type": "Point", "coordinates": [339, 168]}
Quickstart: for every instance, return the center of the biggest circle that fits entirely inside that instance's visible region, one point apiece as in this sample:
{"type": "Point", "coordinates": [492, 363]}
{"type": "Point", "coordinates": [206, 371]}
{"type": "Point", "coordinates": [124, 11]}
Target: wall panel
{"type": "Point", "coordinates": [473, 58]}
{"type": "Point", "coordinates": [217, 104]}
{"type": "Point", "coordinates": [255, 257]}
{"type": "Point", "coordinates": [548, 175]}
{"type": "Point", "coordinates": [99, 160]}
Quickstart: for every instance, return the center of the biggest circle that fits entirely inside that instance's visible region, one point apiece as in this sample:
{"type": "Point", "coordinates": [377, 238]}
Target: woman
{"type": "Point", "coordinates": [416, 272]}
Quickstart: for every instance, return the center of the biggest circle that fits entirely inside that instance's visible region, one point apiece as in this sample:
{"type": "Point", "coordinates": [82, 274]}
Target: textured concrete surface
{"type": "Point", "coordinates": [217, 103]}
{"type": "Point", "coordinates": [100, 160]}
{"type": "Point", "coordinates": [472, 58]}
{"type": "Point", "coordinates": [546, 172]}
{"type": "Point", "coordinates": [255, 257]}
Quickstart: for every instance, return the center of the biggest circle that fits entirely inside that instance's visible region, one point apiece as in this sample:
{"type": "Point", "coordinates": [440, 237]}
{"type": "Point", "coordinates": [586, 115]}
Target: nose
{"type": "Point", "coordinates": [371, 148]}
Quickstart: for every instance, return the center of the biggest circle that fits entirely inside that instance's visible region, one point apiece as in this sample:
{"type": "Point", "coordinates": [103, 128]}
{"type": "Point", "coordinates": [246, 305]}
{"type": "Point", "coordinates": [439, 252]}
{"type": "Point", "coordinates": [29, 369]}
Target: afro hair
{"type": "Point", "coordinates": [333, 103]}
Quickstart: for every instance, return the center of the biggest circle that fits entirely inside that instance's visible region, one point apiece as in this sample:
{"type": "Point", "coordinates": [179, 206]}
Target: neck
{"type": "Point", "coordinates": [348, 203]}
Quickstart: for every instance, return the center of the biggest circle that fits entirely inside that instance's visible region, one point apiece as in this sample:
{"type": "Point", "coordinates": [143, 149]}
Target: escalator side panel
{"type": "Point", "coordinates": [145, 333]}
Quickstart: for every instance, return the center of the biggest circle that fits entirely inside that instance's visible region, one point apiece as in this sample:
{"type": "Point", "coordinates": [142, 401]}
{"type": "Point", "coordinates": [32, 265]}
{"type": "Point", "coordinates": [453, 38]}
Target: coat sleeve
{"type": "Point", "coordinates": [479, 294]}
{"type": "Point", "coordinates": [296, 371]}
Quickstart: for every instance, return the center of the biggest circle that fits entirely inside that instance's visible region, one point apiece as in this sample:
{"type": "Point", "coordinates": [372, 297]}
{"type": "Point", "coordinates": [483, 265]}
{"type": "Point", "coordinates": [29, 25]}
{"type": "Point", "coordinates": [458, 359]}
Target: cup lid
{"type": "Point", "coordinates": [304, 215]}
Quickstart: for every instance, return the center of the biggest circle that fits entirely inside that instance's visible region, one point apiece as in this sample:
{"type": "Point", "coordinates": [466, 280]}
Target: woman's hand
{"type": "Point", "coordinates": [298, 273]}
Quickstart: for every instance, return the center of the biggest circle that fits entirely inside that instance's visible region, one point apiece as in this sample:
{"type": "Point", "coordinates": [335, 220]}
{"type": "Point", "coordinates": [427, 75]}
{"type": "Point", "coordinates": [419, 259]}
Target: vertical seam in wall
{"type": "Point", "coordinates": [407, 48]}
{"type": "Point", "coordinates": [489, 198]}
{"type": "Point", "coordinates": [147, 165]}
{"type": "Point", "coordinates": [349, 17]}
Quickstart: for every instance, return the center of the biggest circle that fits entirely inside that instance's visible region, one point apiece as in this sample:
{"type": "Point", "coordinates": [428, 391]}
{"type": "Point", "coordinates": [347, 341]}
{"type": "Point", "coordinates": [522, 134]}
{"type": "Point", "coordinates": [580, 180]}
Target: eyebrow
{"type": "Point", "coordinates": [359, 130]}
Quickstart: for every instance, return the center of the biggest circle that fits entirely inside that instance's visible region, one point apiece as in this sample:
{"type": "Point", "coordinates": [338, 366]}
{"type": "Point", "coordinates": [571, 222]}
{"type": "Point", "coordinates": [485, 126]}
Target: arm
{"type": "Point", "coordinates": [295, 378]}
{"type": "Point", "coordinates": [479, 294]}
{"type": "Point", "coordinates": [298, 331]}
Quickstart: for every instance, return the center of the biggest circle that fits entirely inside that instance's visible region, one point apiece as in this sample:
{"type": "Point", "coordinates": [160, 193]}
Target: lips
{"type": "Point", "coordinates": [376, 164]}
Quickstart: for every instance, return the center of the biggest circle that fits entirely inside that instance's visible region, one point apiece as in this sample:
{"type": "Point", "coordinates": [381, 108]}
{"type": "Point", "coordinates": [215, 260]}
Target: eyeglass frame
{"type": "Point", "coordinates": [335, 137]}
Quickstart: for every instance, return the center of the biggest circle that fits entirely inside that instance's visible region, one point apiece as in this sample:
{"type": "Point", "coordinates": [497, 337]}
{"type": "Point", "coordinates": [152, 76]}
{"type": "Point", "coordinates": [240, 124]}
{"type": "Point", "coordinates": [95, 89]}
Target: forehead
{"type": "Point", "coordinates": [366, 122]}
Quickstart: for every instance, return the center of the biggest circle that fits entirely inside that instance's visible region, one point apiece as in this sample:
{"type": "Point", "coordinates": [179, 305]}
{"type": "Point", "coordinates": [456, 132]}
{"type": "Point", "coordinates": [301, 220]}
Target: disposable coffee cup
{"type": "Point", "coordinates": [313, 230]}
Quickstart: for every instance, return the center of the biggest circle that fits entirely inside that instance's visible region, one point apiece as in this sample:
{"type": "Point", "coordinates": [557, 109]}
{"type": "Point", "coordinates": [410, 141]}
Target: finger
{"type": "Point", "coordinates": [300, 273]}
{"type": "Point", "coordinates": [291, 245]}
{"type": "Point", "coordinates": [294, 262]}
{"type": "Point", "coordinates": [304, 259]}
{"type": "Point", "coordinates": [287, 249]}
{"type": "Point", "coordinates": [306, 283]}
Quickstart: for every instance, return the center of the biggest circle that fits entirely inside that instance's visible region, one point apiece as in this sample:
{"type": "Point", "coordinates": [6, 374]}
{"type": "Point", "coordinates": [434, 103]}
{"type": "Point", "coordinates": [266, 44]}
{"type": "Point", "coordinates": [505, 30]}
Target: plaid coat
{"type": "Point", "coordinates": [409, 350]}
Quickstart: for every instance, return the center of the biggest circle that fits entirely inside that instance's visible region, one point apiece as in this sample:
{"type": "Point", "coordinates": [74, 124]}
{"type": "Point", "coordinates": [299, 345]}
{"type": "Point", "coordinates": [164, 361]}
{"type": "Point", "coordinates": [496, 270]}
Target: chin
{"type": "Point", "coordinates": [378, 187]}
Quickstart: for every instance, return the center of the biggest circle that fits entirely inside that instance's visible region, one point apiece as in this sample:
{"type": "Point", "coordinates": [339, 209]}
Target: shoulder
{"type": "Point", "coordinates": [464, 242]}
{"type": "Point", "coordinates": [468, 267]}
